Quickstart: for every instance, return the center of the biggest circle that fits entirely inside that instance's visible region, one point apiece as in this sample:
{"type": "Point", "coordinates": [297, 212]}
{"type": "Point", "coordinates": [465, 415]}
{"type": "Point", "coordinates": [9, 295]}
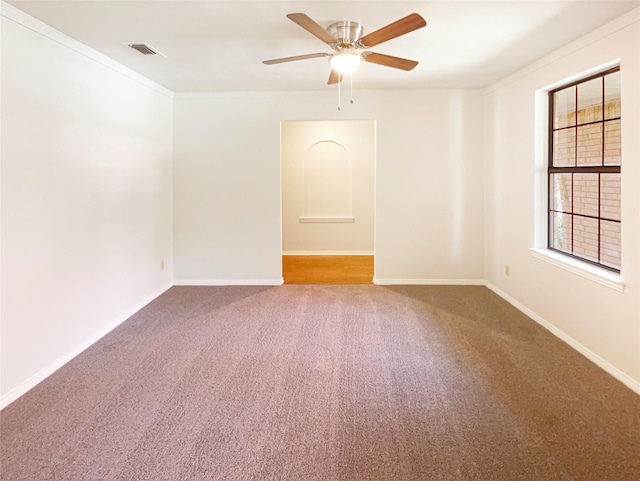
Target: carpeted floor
{"type": "Point", "coordinates": [308, 382]}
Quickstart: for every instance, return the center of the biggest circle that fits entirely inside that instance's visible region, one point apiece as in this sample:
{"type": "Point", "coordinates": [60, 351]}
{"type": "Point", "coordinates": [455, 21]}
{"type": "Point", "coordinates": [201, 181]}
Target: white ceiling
{"type": "Point", "coordinates": [220, 45]}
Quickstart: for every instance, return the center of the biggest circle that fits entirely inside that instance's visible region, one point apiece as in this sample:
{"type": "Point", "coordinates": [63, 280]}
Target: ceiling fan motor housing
{"type": "Point", "coordinates": [347, 32]}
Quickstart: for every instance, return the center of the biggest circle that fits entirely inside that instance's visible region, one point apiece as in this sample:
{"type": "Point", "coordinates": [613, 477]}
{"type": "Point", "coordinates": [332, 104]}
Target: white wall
{"type": "Point", "coordinates": [86, 201]}
{"type": "Point", "coordinates": [87, 196]}
{"type": "Point", "coordinates": [601, 322]}
{"type": "Point", "coordinates": [429, 193]}
{"type": "Point", "coordinates": [328, 187]}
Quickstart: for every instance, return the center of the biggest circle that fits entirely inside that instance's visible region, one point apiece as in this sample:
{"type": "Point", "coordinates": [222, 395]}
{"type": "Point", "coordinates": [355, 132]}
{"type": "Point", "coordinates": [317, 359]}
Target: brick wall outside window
{"type": "Point", "coordinates": [585, 206]}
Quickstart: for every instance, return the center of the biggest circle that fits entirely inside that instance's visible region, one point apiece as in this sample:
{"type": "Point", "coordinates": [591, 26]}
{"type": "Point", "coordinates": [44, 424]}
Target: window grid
{"type": "Point", "coordinates": [556, 216]}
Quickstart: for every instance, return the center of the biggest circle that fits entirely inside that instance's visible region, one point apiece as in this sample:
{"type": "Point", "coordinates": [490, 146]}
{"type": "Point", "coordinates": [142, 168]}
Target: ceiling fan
{"type": "Point", "coordinates": [345, 38]}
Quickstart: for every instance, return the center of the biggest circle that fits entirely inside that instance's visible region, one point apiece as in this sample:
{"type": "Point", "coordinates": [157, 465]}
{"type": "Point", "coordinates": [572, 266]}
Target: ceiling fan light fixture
{"type": "Point", "coordinates": [345, 61]}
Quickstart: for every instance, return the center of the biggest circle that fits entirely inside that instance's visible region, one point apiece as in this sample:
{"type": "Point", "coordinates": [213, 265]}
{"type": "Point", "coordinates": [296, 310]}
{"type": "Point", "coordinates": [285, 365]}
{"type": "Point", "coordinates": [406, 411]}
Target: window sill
{"type": "Point", "coordinates": [326, 220]}
{"type": "Point", "coordinates": [593, 273]}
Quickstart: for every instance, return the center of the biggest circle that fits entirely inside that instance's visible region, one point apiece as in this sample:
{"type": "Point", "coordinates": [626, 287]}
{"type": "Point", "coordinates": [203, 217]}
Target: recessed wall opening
{"type": "Point", "coordinates": [328, 201]}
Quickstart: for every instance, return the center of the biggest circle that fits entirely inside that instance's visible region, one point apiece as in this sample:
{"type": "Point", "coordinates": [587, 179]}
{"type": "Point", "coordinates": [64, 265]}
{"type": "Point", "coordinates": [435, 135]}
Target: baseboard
{"type": "Point", "coordinates": [32, 381]}
{"type": "Point", "coordinates": [428, 282]}
{"type": "Point", "coordinates": [228, 282]}
{"type": "Point", "coordinates": [41, 375]}
{"type": "Point", "coordinates": [327, 253]}
{"type": "Point", "coordinates": [585, 351]}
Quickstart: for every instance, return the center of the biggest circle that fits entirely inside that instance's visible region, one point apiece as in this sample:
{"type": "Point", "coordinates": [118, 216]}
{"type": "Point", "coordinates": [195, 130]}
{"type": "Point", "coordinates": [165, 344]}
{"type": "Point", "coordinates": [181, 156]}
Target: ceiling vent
{"type": "Point", "coordinates": [145, 49]}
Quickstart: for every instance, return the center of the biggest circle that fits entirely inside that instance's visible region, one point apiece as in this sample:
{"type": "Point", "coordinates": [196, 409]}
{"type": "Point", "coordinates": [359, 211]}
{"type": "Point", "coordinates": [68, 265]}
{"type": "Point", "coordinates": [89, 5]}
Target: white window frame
{"type": "Point", "coordinates": [539, 249]}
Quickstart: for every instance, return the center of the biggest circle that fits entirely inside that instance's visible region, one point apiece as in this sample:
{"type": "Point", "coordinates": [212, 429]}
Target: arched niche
{"type": "Point", "coordinates": [327, 183]}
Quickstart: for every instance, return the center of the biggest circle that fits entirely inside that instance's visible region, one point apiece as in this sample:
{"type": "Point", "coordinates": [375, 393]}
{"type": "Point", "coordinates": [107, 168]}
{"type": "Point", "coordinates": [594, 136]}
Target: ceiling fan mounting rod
{"type": "Point", "coordinates": [347, 32]}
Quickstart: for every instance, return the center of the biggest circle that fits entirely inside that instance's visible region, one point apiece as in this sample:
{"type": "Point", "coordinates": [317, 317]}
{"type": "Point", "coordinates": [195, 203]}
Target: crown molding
{"type": "Point", "coordinates": [18, 16]}
{"type": "Point", "coordinates": [605, 31]}
{"type": "Point", "coordinates": [331, 93]}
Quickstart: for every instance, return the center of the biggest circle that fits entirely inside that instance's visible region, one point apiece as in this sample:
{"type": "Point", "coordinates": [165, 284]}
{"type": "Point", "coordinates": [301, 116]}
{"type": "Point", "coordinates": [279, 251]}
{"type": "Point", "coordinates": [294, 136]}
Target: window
{"type": "Point", "coordinates": [584, 169]}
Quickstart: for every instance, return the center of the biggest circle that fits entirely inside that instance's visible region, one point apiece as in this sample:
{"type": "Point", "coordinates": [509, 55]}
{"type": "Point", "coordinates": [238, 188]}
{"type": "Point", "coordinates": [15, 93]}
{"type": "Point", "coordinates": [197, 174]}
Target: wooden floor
{"type": "Point", "coordinates": [327, 269]}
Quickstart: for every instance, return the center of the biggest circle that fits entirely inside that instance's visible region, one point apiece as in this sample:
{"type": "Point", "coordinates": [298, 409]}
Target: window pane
{"type": "Point", "coordinates": [561, 232]}
{"type": "Point", "coordinates": [564, 147]}
{"type": "Point", "coordinates": [612, 152]}
{"type": "Point", "coordinates": [584, 170]}
{"type": "Point", "coordinates": [612, 95]}
{"type": "Point", "coordinates": [561, 192]}
{"type": "Point", "coordinates": [564, 108]}
{"type": "Point", "coordinates": [610, 243]}
{"type": "Point", "coordinates": [610, 196]}
{"type": "Point", "coordinates": [590, 145]}
{"type": "Point", "coordinates": [585, 237]}
{"type": "Point", "coordinates": [590, 101]}
{"type": "Point", "coordinates": [585, 194]}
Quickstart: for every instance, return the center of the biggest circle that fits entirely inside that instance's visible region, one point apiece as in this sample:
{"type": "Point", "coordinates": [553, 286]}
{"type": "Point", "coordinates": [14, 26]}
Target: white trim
{"type": "Point", "coordinates": [232, 94]}
{"type": "Point", "coordinates": [228, 282]}
{"type": "Point", "coordinates": [327, 253]}
{"type": "Point", "coordinates": [34, 380]}
{"type": "Point", "coordinates": [326, 220]}
{"type": "Point", "coordinates": [21, 18]}
{"type": "Point", "coordinates": [429, 282]}
{"type": "Point", "coordinates": [579, 76]}
{"type": "Point", "coordinates": [593, 357]}
{"type": "Point", "coordinates": [605, 31]}
{"type": "Point", "coordinates": [47, 371]}
{"type": "Point", "coordinates": [593, 273]}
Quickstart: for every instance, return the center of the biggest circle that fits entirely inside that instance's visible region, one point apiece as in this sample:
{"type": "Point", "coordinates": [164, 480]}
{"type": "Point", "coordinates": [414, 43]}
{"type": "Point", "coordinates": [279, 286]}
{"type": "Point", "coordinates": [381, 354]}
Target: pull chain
{"type": "Point", "coordinates": [340, 78]}
{"type": "Point", "coordinates": [351, 88]}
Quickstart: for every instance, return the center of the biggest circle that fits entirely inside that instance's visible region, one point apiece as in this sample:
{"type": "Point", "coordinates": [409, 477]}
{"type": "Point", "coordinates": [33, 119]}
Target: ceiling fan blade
{"type": "Point", "coordinates": [312, 27]}
{"type": "Point", "coordinates": [334, 77]}
{"type": "Point", "coordinates": [400, 27]}
{"type": "Point", "coordinates": [297, 57]}
{"type": "Point", "coordinates": [389, 61]}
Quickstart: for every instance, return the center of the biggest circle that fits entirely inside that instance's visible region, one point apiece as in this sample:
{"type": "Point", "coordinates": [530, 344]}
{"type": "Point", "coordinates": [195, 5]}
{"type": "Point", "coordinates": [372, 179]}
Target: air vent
{"type": "Point", "coordinates": [145, 49]}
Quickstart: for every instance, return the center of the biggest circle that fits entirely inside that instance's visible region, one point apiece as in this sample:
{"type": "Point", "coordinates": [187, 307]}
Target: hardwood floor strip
{"type": "Point", "coordinates": [327, 269]}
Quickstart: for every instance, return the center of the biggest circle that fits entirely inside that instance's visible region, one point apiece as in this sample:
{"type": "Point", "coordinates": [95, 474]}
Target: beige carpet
{"type": "Point", "coordinates": [306, 382]}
